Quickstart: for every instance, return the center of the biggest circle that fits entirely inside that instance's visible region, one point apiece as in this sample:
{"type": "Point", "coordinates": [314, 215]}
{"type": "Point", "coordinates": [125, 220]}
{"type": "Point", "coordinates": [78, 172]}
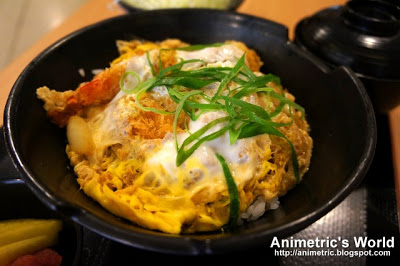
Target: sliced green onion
{"type": "Point", "coordinates": [234, 131]}
{"type": "Point", "coordinates": [234, 71]}
{"type": "Point", "coordinates": [272, 93]}
{"type": "Point", "coordinates": [288, 102]}
{"type": "Point", "coordinates": [250, 90]}
{"type": "Point", "coordinates": [153, 71]}
{"type": "Point", "coordinates": [247, 106]}
{"type": "Point", "coordinates": [142, 88]}
{"type": "Point", "coordinates": [277, 109]}
{"type": "Point", "coordinates": [178, 112]}
{"type": "Point", "coordinates": [184, 153]}
{"type": "Point", "coordinates": [205, 106]}
{"type": "Point", "coordinates": [234, 201]}
{"type": "Point", "coordinates": [254, 129]}
{"type": "Point", "coordinates": [187, 82]}
{"type": "Point", "coordinates": [176, 67]}
{"type": "Point", "coordinates": [248, 72]}
{"type": "Point", "coordinates": [196, 47]}
{"type": "Point", "coordinates": [122, 82]}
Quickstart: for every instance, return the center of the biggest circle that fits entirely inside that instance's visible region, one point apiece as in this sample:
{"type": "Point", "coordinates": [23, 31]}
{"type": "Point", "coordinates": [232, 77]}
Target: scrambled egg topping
{"type": "Point", "coordinates": [125, 157]}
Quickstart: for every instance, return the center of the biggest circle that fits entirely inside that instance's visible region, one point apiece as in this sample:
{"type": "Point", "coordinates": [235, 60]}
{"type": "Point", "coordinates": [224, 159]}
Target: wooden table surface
{"type": "Point", "coordinates": [287, 12]}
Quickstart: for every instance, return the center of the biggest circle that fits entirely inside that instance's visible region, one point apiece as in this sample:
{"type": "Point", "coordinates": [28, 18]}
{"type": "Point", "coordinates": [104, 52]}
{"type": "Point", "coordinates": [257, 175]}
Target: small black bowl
{"type": "Point", "coordinates": [337, 107]}
{"type": "Point", "coordinates": [18, 202]}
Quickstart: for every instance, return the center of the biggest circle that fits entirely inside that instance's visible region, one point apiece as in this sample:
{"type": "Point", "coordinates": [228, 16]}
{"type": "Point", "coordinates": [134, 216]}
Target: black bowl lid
{"type": "Point", "coordinates": [363, 34]}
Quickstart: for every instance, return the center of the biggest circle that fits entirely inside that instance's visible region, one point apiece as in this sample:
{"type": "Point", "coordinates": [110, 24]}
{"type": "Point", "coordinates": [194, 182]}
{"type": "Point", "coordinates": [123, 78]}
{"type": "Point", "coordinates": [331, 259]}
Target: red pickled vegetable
{"type": "Point", "coordinates": [44, 257]}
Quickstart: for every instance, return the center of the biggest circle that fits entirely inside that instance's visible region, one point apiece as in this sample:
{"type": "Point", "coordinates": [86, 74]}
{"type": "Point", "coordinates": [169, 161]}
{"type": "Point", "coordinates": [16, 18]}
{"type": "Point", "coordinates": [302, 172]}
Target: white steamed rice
{"type": "Point", "coordinates": [258, 208]}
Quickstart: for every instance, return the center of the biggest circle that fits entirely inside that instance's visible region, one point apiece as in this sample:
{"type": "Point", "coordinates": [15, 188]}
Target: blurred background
{"type": "Point", "coordinates": [23, 22]}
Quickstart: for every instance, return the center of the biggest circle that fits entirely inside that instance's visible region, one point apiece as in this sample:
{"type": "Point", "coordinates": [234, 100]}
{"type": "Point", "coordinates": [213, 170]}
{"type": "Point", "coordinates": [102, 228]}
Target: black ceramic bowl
{"type": "Point", "coordinates": [18, 202]}
{"type": "Point", "coordinates": [337, 106]}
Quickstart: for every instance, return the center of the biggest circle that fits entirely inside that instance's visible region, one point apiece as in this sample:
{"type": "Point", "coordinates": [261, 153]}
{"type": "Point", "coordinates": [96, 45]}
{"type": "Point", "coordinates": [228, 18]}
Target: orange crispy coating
{"type": "Point", "coordinates": [100, 90]}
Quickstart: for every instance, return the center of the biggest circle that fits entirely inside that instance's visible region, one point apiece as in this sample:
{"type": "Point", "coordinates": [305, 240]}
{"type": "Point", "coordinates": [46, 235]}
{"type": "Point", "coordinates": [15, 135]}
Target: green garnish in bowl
{"type": "Point", "coordinates": [242, 120]}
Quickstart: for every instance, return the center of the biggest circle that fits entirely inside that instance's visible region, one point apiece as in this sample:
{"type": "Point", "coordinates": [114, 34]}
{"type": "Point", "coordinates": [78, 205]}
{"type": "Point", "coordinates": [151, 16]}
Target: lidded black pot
{"type": "Point", "coordinates": [364, 35]}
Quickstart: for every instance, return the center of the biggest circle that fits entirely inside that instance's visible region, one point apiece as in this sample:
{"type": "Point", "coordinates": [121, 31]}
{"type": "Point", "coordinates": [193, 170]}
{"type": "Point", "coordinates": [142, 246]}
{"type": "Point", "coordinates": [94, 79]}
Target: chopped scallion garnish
{"type": "Point", "coordinates": [178, 112]}
{"type": "Point", "coordinates": [199, 47]}
{"type": "Point", "coordinates": [190, 90]}
{"type": "Point", "coordinates": [123, 81]}
{"type": "Point", "coordinates": [234, 202]}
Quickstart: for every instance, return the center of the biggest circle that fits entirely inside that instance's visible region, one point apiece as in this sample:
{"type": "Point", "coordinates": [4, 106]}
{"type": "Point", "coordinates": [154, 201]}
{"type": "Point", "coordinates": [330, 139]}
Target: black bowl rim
{"type": "Point", "coordinates": [186, 245]}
